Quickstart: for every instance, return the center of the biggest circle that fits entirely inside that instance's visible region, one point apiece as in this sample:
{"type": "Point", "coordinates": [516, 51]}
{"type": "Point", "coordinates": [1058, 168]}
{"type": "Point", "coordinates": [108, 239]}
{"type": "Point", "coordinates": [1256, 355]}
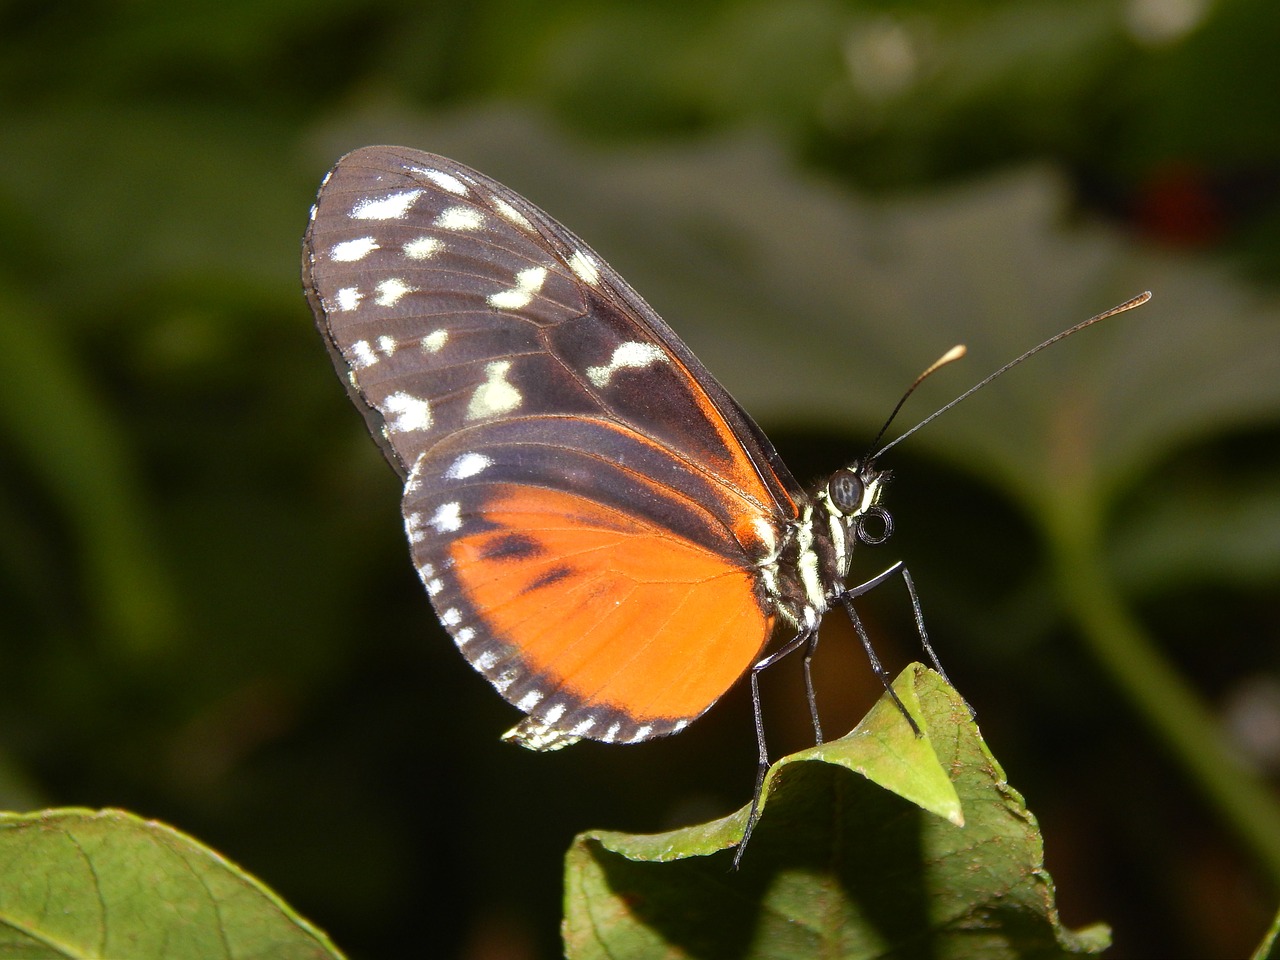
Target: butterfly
{"type": "Point", "coordinates": [607, 536]}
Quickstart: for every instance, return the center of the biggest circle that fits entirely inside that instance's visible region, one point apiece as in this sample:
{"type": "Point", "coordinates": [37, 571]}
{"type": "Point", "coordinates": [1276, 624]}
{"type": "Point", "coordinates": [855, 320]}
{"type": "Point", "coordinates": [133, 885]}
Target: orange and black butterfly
{"type": "Point", "coordinates": [605, 533]}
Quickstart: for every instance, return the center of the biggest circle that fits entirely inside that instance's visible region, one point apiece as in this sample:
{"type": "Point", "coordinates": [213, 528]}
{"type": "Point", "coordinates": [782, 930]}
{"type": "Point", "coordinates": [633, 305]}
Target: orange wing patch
{"type": "Point", "coordinates": [622, 613]}
{"type": "Point", "coordinates": [736, 465]}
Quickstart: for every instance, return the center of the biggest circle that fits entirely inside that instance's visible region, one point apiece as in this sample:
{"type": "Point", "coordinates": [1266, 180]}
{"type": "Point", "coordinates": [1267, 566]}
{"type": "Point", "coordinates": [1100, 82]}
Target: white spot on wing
{"type": "Point", "coordinates": [464, 636]}
{"type": "Point", "coordinates": [434, 586]}
{"type": "Point", "coordinates": [391, 207]}
{"type": "Point", "coordinates": [413, 527]}
{"type": "Point", "coordinates": [632, 354]}
{"type": "Point", "coordinates": [510, 213]}
{"type": "Point", "coordinates": [407, 412]}
{"type": "Point", "coordinates": [422, 248]}
{"type": "Point", "coordinates": [585, 266]}
{"type": "Point", "coordinates": [467, 465]}
{"type": "Point", "coordinates": [447, 518]}
{"type": "Point", "coordinates": [554, 714]}
{"type": "Point", "coordinates": [434, 340]}
{"type": "Point", "coordinates": [528, 282]}
{"type": "Point", "coordinates": [348, 298]}
{"type": "Point", "coordinates": [460, 218]}
{"type": "Point", "coordinates": [445, 181]}
{"type": "Point", "coordinates": [530, 700]}
{"type": "Point", "coordinates": [495, 396]}
{"type": "Point", "coordinates": [451, 617]}
{"type": "Point", "coordinates": [362, 354]}
{"type": "Point", "coordinates": [486, 661]}
{"type": "Point", "coordinates": [391, 290]}
{"type": "Point", "coordinates": [349, 251]}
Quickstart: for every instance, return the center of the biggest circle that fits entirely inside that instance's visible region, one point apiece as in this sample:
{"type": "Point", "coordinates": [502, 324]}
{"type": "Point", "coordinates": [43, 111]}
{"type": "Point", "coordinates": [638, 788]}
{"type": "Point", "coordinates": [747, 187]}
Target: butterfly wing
{"type": "Point", "coordinates": [587, 508]}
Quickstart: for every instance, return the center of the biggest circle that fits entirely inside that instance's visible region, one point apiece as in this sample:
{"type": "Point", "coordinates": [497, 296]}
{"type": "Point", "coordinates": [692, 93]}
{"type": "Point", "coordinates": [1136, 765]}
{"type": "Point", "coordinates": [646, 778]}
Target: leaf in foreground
{"type": "Point", "coordinates": [1269, 948]}
{"type": "Point", "coordinates": [83, 883]}
{"type": "Point", "coordinates": [861, 851]}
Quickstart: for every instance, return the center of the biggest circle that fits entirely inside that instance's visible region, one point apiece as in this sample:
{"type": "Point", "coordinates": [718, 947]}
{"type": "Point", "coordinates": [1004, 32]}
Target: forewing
{"type": "Point", "coordinates": [585, 504]}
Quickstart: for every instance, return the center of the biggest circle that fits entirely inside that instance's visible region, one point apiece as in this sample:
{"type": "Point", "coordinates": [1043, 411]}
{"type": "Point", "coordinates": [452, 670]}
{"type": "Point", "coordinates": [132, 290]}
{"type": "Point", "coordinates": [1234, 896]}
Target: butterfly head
{"type": "Point", "coordinates": [851, 498]}
{"type": "Point", "coordinates": [853, 495]}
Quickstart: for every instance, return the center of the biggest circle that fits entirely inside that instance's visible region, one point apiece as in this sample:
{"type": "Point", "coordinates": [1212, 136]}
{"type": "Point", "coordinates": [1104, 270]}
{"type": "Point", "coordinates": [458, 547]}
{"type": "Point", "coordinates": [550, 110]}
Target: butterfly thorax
{"type": "Point", "coordinates": [807, 573]}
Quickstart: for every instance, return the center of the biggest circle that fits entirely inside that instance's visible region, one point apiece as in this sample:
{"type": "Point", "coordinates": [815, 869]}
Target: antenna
{"type": "Point", "coordinates": [952, 354]}
{"type": "Point", "coordinates": [955, 353]}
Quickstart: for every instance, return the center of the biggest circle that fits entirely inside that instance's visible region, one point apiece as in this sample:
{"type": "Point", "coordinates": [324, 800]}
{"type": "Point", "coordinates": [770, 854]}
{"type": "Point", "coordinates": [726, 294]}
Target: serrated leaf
{"type": "Point", "coordinates": [839, 865]}
{"type": "Point", "coordinates": [83, 883]}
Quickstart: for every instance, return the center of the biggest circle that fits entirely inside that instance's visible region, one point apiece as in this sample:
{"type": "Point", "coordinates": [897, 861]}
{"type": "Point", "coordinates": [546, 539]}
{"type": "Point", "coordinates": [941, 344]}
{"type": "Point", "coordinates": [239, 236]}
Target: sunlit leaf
{"type": "Point", "coordinates": [839, 865]}
{"type": "Point", "coordinates": [80, 883]}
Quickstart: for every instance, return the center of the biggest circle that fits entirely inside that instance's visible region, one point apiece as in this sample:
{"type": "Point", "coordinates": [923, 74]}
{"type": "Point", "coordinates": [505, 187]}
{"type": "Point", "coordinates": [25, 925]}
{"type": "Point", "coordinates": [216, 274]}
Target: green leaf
{"type": "Point", "coordinates": [80, 883]}
{"type": "Point", "coordinates": [861, 851]}
{"type": "Point", "coordinates": [1269, 948]}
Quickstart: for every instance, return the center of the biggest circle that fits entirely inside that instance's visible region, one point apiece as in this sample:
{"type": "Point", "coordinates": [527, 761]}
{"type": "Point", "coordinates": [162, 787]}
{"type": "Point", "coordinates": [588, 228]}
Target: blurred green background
{"type": "Point", "coordinates": [208, 613]}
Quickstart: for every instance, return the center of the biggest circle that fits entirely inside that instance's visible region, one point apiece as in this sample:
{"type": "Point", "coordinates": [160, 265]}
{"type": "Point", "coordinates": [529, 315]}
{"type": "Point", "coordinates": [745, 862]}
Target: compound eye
{"type": "Point", "coordinates": [845, 488]}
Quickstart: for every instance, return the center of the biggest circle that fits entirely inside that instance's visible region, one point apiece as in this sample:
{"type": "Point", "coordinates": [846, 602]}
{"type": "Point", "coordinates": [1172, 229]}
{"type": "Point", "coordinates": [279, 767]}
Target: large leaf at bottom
{"type": "Point", "coordinates": [859, 852]}
{"type": "Point", "coordinates": [84, 883]}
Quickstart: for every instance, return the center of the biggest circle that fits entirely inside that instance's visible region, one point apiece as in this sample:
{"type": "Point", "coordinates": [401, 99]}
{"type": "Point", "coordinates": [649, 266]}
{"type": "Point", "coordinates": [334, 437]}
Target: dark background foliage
{"type": "Point", "coordinates": [208, 616]}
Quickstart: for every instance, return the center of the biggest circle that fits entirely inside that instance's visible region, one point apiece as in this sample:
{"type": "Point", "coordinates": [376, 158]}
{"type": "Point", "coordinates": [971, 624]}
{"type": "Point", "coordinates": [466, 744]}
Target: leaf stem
{"type": "Point", "coordinates": [1176, 713]}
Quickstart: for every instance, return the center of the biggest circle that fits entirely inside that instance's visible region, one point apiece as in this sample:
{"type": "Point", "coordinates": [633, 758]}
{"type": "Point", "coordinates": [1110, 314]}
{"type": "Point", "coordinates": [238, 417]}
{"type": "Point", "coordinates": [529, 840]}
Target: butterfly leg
{"type": "Point", "coordinates": [847, 599]}
{"type": "Point", "coordinates": [807, 635]}
{"type": "Point", "coordinates": [810, 650]}
{"type": "Point", "coordinates": [880, 578]}
{"type": "Point", "coordinates": [924, 637]}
